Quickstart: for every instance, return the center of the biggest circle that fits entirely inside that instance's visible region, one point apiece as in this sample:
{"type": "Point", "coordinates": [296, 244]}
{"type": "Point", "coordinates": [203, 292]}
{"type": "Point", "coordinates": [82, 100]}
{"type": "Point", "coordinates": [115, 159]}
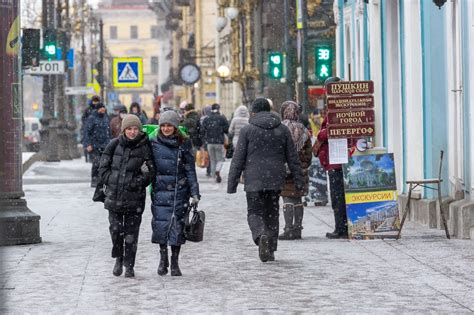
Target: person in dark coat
{"type": "Point", "coordinates": [174, 184]}
{"type": "Point", "coordinates": [91, 104]}
{"type": "Point", "coordinates": [126, 169]}
{"type": "Point", "coordinates": [215, 127]}
{"type": "Point", "coordinates": [263, 149]}
{"type": "Point", "coordinates": [193, 125]}
{"type": "Point", "coordinates": [116, 122]}
{"type": "Point", "coordinates": [293, 208]}
{"type": "Point", "coordinates": [97, 137]}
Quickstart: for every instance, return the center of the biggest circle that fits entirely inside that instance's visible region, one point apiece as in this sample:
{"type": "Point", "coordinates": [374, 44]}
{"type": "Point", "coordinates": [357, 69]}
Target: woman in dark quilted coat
{"type": "Point", "coordinates": [293, 208]}
{"type": "Point", "coordinates": [174, 184]}
{"type": "Point", "coordinates": [126, 168]}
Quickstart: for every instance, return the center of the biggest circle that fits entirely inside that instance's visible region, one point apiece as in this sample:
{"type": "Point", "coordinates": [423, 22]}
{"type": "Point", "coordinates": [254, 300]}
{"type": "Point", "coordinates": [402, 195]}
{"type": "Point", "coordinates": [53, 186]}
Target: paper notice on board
{"type": "Point", "coordinates": [338, 151]}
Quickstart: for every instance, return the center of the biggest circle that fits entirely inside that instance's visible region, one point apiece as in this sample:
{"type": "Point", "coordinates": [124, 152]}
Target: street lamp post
{"type": "Point", "coordinates": [18, 224]}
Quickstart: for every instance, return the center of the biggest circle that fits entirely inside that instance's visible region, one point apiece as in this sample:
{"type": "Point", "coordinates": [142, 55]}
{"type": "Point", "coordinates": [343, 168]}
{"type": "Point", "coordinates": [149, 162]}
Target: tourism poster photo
{"type": "Point", "coordinates": [371, 196]}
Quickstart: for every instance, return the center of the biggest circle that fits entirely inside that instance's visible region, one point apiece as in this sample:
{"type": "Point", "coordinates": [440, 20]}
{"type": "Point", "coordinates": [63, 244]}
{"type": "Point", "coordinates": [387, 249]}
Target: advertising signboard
{"type": "Point", "coordinates": [337, 103]}
{"type": "Point", "coordinates": [371, 196]}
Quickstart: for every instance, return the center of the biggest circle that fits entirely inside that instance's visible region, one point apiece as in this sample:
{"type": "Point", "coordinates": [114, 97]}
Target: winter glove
{"type": "Point", "coordinates": [144, 168]}
{"type": "Point", "coordinates": [195, 201]}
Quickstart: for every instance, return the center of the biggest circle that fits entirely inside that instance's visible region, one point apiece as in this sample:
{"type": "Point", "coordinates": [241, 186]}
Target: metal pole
{"type": "Point", "coordinates": [102, 85]}
{"type": "Point", "coordinates": [18, 224]}
{"type": "Point", "coordinates": [49, 143]}
{"type": "Point", "coordinates": [290, 80]}
{"type": "Point", "coordinates": [70, 117]}
{"type": "Point", "coordinates": [304, 56]}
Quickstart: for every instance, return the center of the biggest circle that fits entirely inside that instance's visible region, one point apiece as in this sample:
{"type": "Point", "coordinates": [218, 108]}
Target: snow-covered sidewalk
{"type": "Point", "coordinates": [71, 271]}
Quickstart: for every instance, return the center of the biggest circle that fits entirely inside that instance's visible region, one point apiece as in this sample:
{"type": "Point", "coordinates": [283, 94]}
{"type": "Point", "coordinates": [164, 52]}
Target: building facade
{"type": "Point", "coordinates": [421, 59]}
{"type": "Point", "coordinates": [131, 29]}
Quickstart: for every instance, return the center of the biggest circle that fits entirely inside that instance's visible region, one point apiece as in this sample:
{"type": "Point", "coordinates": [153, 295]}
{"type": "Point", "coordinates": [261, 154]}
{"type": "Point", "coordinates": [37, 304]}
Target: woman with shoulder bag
{"type": "Point", "coordinates": [126, 169]}
{"type": "Point", "coordinates": [293, 208]}
{"type": "Point", "coordinates": [174, 184]}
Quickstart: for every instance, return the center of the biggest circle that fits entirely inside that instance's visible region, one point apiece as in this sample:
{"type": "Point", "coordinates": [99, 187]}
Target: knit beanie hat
{"type": "Point", "coordinates": [169, 117]}
{"type": "Point", "coordinates": [260, 105]}
{"type": "Point", "coordinates": [129, 121]}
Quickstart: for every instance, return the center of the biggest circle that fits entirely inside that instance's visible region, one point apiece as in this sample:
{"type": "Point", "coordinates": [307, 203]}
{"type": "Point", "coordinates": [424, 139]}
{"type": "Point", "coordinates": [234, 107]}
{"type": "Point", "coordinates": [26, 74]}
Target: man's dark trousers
{"type": "Point", "coordinates": [263, 215]}
{"type": "Point", "coordinates": [124, 229]}
{"type": "Point", "coordinates": [338, 199]}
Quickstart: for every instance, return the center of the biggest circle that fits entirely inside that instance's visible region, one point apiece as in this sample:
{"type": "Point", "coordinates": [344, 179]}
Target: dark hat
{"type": "Point", "coordinates": [215, 106]}
{"type": "Point", "coordinates": [260, 105]}
{"type": "Point", "coordinates": [99, 105]}
{"type": "Point", "coordinates": [189, 107]}
{"type": "Point", "coordinates": [95, 98]}
{"type": "Point", "coordinates": [120, 108]}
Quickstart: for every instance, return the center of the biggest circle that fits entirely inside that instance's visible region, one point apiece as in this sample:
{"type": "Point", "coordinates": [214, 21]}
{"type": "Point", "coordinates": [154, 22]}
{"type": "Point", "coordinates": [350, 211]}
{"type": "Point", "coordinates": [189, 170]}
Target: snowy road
{"type": "Point", "coordinates": [71, 271]}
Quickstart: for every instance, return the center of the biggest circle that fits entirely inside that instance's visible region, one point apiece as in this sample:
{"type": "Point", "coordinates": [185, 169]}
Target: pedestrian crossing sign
{"type": "Point", "coordinates": [128, 72]}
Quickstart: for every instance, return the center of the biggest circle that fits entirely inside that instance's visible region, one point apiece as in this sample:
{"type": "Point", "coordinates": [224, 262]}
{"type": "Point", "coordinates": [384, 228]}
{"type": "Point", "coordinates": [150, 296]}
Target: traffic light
{"type": "Point", "coordinates": [324, 59]}
{"type": "Point", "coordinates": [49, 44]}
{"type": "Point", "coordinates": [275, 65]}
{"type": "Point", "coordinates": [100, 73]}
{"type": "Point", "coordinates": [30, 47]}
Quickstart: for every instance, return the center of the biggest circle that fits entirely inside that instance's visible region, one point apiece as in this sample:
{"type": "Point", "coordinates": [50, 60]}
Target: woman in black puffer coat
{"type": "Point", "coordinates": [175, 183]}
{"type": "Point", "coordinates": [126, 168]}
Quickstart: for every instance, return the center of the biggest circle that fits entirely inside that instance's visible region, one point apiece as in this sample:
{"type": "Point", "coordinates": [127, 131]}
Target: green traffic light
{"type": "Point", "coordinates": [275, 65]}
{"type": "Point", "coordinates": [50, 49]}
{"type": "Point", "coordinates": [324, 60]}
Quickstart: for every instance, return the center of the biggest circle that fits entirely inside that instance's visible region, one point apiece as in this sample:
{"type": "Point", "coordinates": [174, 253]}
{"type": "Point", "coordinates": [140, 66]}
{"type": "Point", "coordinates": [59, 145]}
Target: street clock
{"type": "Point", "coordinates": [190, 73]}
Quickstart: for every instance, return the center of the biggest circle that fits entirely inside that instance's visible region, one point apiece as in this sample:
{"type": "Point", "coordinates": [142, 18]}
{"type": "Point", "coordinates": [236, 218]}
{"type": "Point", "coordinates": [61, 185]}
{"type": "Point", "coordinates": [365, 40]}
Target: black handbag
{"type": "Point", "coordinates": [194, 228]}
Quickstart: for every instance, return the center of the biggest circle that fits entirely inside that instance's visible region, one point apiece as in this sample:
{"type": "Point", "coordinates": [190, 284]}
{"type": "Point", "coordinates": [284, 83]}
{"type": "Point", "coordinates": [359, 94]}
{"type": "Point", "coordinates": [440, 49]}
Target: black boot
{"type": "Point", "coordinates": [288, 214]}
{"type": "Point", "coordinates": [129, 272]}
{"type": "Point", "coordinates": [118, 268]}
{"type": "Point", "coordinates": [175, 271]}
{"type": "Point", "coordinates": [299, 211]}
{"type": "Point", "coordinates": [218, 177]}
{"type": "Point", "coordinates": [264, 248]}
{"type": "Point", "coordinates": [164, 262]}
{"type": "Point", "coordinates": [337, 234]}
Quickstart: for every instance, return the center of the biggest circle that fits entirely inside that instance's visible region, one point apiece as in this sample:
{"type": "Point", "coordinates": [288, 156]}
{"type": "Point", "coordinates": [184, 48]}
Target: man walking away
{"type": "Point", "coordinates": [264, 147]}
{"type": "Point", "coordinates": [97, 137]}
{"type": "Point", "coordinates": [193, 126]}
{"type": "Point", "coordinates": [215, 127]}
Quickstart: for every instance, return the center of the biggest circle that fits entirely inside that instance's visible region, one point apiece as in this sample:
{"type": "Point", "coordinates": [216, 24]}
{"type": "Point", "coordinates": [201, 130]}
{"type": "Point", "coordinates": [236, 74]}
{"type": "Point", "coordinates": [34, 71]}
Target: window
{"type": "Point", "coordinates": [154, 31]}
{"type": "Point", "coordinates": [154, 65]}
{"type": "Point", "coordinates": [134, 32]}
{"type": "Point", "coordinates": [113, 32]}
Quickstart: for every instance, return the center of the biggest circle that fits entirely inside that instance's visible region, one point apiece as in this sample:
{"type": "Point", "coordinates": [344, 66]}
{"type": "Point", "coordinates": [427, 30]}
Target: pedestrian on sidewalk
{"type": "Point", "coordinates": [293, 208]}
{"type": "Point", "coordinates": [97, 137]}
{"type": "Point", "coordinates": [240, 120]}
{"type": "Point", "coordinates": [175, 183]}
{"type": "Point", "coordinates": [215, 128]}
{"type": "Point", "coordinates": [126, 168]}
{"type": "Point", "coordinates": [206, 111]}
{"type": "Point", "coordinates": [116, 122]}
{"type": "Point", "coordinates": [91, 106]}
{"type": "Point", "coordinates": [336, 180]}
{"type": "Point", "coordinates": [136, 110]}
{"type": "Point", "coordinates": [264, 147]}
